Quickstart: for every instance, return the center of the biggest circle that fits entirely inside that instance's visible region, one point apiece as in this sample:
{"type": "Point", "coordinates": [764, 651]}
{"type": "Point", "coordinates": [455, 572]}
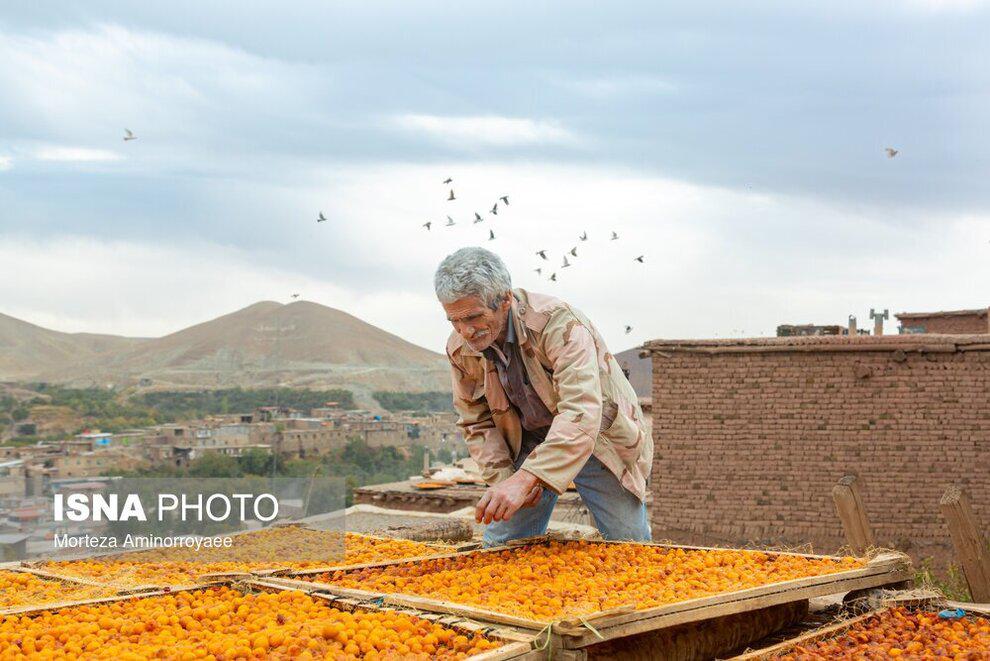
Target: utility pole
{"type": "Point", "coordinates": [277, 440]}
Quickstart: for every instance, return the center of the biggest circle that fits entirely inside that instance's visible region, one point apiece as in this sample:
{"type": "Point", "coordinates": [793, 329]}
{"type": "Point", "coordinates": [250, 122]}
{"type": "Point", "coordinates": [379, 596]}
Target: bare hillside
{"type": "Point", "coordinates": [299, 344]}
{"type": "Point", "coordinates": [27, 350]}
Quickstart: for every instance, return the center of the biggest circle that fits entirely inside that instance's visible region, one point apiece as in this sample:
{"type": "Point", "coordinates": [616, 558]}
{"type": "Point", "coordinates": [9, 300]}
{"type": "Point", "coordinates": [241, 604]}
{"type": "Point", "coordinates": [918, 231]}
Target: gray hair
{"type": "Point", "coordinates": [472, 272]}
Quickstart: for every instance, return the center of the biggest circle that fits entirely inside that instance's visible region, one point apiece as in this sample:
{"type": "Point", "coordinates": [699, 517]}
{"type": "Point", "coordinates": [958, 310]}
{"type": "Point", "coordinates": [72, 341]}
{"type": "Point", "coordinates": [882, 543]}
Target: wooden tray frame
{"type": "Point", "coordinates": [833, 630]}
{"type": "Point", "coordinates": [210, 578]}
{"type": "Point", "coordinates": [576, 633]}
{"type": "Point", "coordinates": [113, 591]}
{"type": "Point", "coordinates": [516, 647]}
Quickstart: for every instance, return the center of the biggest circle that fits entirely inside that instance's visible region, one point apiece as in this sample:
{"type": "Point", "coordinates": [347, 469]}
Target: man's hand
{"type": "Point", "coordinates": [534, 496]}
{"type": "Point", "coordinates": [500, 502]}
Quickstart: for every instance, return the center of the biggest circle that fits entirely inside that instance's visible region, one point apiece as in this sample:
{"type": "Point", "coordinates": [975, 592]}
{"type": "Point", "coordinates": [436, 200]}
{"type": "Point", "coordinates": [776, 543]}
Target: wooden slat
{"type": "Point", "coordinates": [971, 547]}
{"type": "Point", "coordinates": [812, 636]}
{"type": "Point", "coordinates": [67, 578]}
{"type": "Point", "coordinates": [425, 603]}
{"type": "Point", "coordinates": [26, 610]}
{"type": "Point", "coordinates": [729, 604]}
{"type": "Point", "coordinates": [852, 513]}
{"type": "Point", "coordinates": [832, 631]}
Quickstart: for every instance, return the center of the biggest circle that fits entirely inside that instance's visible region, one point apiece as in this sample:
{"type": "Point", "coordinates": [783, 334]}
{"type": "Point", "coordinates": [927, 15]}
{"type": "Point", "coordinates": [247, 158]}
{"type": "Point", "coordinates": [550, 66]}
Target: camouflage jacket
{"type": "Point", "coordinates": [595, 408]}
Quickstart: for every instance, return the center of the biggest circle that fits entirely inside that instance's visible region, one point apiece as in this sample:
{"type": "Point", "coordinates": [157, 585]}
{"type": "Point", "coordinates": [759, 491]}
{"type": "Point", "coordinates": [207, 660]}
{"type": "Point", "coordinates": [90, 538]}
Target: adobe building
{"type": "Point", "coordinates": [953, 322]}
{"type": "Point", "coordinates": [751, 435]}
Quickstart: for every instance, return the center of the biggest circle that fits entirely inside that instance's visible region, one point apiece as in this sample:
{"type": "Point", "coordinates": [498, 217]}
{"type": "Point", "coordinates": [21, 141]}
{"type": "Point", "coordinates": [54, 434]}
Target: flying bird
{"type": "Point", "coordinates": [628, 330]}
{"type": "Point", "coordinates": [538, 271]}
{"type": "Point", "coordinates": [566, 263]}
{"type": "Point", "coordinates": [128, 135]}
{"type": "Point", "coordinates": [638, 259]}
{"type": "Point", "coordinates": [491, 235]}
{"type": "Point", "coordinates": [477, 217]}
{"type": "Point", "coordinates": [295, 296]}
{"type": "Point", "coordinates": [584, 237]}
{"type": "Point", "coordinates": [553, 277]}
{"type": "Point", "coordinates": [505, 200]}
{"type": "Point", "coordinates": [574, 251]}
{"type": "Point", "coordinates": [614, 236]}
{"type": "Point", "coordinates": [322, 218]}
{"type": "Point", "coordinates": [450, 222]}
{"type": "Point", "coordinates": [451, 195]}
{"type": "Point", "coordinates": [427, 225]}
{"type": "Point", "coordinates": [494, 210]}
{"type": "Point", "coordinates": [448, 180]}
{"type": "Point", "coordinates": [891, 152]}
{"type": "Point", "coordinates": [542, 253]}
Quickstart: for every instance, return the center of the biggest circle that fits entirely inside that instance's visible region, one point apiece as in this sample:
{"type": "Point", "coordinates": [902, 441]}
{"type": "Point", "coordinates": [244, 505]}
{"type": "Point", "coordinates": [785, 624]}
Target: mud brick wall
{"type": "Point", "coordinates": [975, 322]}
{"type": "Point", "coordinates": [752, 436]}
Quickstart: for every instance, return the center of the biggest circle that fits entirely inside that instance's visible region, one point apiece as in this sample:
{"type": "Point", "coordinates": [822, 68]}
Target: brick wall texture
{"type": "Point", "coordinates": [953, 324]}
{"type": "Point", "coordinates": [750, 444]}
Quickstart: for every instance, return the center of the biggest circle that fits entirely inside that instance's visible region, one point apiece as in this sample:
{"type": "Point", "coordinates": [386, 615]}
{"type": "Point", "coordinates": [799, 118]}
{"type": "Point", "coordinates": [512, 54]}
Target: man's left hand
{"type": "Point", "coordinates": [504, 499]}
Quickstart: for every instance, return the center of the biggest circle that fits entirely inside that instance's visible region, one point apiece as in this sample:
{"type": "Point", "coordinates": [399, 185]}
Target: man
{"type": "Point", "coordinates": [542, 403]}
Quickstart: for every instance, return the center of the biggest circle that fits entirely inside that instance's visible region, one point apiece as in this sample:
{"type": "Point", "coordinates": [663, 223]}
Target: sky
{"type": "Point", "coordinates": [738, 147]}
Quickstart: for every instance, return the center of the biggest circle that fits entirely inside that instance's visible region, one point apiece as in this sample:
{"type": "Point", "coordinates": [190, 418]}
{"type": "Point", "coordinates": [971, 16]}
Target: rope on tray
{"type": "Point", "coordinates": [546, 644]}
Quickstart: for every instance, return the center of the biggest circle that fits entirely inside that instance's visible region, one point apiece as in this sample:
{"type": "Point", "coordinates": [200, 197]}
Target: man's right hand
{"type": "Point", "coordinates": [504, 499]}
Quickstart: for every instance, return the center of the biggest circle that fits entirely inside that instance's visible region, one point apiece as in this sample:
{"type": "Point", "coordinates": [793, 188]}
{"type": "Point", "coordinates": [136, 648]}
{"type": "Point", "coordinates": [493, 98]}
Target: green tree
{"type": "Point", "coordinates": [212, 464]}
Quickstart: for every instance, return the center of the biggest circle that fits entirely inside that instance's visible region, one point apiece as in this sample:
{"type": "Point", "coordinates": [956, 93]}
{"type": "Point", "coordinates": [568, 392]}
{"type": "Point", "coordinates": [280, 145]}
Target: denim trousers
{"type": "Point", "coordinates": [618, 514]}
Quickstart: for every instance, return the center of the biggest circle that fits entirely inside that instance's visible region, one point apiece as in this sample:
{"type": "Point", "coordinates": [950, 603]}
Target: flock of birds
{"type": "Point", "coordinates": [542, 254]}
{"type": "Point", "coordinates": [504, 199]}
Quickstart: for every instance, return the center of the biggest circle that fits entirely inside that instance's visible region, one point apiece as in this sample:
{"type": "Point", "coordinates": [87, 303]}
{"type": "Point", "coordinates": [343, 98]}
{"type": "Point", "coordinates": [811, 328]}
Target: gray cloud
{"type": "Point", "coordinates": [251, 122]}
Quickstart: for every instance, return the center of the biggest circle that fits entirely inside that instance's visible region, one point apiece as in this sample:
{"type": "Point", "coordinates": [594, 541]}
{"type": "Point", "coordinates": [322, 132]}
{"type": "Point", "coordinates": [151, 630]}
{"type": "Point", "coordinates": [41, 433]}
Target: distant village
{"type": "Point", "coordinates": [29, 473]}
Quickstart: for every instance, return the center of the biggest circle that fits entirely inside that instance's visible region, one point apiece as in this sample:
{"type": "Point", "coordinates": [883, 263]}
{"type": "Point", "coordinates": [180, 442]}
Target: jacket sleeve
{"type": "Point", "coordinates": [571, 349]}
{"type": "Point", "coordinates": [483, 439]}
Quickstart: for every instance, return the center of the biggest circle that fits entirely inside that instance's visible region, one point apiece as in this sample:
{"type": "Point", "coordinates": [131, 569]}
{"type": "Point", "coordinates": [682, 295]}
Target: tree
{"type": "Point", "coordinates": [215, 465]}
{"type": "Point", "coordinates": [255, 462]}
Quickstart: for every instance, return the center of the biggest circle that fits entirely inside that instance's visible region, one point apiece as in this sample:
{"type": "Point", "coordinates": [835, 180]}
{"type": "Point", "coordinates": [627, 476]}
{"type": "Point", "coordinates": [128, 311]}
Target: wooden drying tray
{"type": "Point", "coordinates": [203, 581]}
{"type": "Point", "coordinates": [211, 578]}
{"type": "Point", "coordinates": [835, 630]}
{"type": "Point", "coordinates": [69, 581]}
{"type": "Point", "coordinates": [439, 546]}
{"type": "Point", "coordinates": [443, 550]}
{"type": "Point", "coordinates": [575, 632]}
{"type": "Point", "coordinates": [516, 647]}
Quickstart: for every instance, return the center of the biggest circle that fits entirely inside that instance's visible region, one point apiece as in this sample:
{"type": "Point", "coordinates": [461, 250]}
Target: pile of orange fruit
{"type": "Point", "coordinates": [288, 547]}
{"type": "Point", "coordinates": [899, 633]}
{"type": "Point", "coordinates": [563, 579]}
{"type": "Point", "coordinates": [225, 624]}
{"type": "Point", "coordinates": [19, 589]}
{"type": "Point", "coordinates": [272, 546]}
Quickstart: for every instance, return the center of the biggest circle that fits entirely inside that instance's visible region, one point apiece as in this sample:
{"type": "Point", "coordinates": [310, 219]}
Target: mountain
{"type": "Point", "coordinates": [27, 350]}
{"type": "Point", "coordinates": [301, 344]}
{"type": "Point", "coordinates": [640, 370]}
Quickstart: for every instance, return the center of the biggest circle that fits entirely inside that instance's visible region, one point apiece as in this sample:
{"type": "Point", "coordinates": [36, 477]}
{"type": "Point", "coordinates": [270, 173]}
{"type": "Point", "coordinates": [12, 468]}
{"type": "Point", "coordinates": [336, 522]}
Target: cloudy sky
{"type": "Point", "coordinates": [738, 146]}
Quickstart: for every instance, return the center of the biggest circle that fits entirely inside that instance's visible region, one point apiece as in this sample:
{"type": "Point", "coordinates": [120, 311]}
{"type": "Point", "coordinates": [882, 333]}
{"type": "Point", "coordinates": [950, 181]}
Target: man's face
{"type": "Point", "coordinates": [477, 323]}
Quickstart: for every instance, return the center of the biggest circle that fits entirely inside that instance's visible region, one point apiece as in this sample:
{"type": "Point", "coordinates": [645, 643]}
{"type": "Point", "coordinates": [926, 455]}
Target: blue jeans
{"type": "Point", "coordinates": [618, 513]}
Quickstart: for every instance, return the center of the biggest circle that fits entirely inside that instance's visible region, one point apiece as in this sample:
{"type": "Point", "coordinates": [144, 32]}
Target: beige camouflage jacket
{"type": "Point", "coordinates": [595, 408]}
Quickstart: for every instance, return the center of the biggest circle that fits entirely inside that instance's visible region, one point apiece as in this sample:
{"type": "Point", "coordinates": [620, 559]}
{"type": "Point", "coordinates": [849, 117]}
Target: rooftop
{"type": "Point", "coordinates": [927, 343]}
{"type": "Point", "coordinates": [979, 312]}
